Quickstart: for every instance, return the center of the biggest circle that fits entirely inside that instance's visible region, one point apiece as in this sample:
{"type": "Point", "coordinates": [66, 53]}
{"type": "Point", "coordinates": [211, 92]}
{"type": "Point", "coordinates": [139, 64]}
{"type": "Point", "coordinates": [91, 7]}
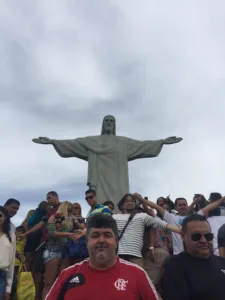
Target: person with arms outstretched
{"type": "Point", "coordinates": [108, 155]}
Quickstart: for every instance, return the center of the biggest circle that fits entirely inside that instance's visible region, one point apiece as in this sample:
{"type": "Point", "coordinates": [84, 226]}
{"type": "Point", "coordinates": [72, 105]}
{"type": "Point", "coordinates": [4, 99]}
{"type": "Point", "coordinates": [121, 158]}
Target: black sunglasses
{"type": "Point", "coordinates": [197, 236]}
{"type": "Point", "coordinates": [76, 207]}
{"type": "Point", "coordinates": [89, 198]}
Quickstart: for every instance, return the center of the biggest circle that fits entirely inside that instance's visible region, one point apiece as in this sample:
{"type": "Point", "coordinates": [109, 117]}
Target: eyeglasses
{"type": "Point", "coordinates": [89, 198]}
{"type": "Point", "coordinates": [1, 216]}
{"type": "Point", "coordinates": [197, 236]}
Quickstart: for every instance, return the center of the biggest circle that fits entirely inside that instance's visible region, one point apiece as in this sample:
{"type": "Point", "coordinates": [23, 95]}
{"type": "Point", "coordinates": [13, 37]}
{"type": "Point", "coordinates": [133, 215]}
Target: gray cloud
{"type": "Point", "coordinates": [158, 69]}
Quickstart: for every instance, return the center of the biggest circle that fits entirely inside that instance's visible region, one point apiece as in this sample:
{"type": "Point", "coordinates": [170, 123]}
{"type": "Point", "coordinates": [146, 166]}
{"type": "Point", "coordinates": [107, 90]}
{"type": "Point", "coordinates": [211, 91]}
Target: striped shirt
{"type": "Point", "coordinates": [131, 242]}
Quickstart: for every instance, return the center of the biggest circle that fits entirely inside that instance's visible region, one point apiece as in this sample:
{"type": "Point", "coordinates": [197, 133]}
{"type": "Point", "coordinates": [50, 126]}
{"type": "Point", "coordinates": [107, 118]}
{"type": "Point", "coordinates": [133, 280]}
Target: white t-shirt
{"type": "Point", "coordinates": [172, 219]}
{"type": "Point", "coordinates": [13, 227]}
{"type": "Point", "coordinates": [7, 258]}
{"type": "Point", "coordinates": [215, 223]}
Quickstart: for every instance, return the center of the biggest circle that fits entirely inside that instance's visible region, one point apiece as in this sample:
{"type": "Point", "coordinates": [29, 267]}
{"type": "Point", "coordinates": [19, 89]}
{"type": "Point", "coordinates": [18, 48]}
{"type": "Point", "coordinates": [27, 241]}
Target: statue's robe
{"type": "Point", "coordinates": [108, 157]}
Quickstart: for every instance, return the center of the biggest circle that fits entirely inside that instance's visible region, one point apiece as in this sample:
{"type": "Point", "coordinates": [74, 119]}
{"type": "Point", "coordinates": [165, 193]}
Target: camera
{"type": "Point", "coordinates": [59, 218]}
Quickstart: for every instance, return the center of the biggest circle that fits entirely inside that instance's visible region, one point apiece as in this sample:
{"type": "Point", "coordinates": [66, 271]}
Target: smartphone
{"type": "Point", "coordinates": [138, 203]}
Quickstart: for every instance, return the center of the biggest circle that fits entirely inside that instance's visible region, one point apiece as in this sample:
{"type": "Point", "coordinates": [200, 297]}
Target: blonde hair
{"type": "Point", "coordinates": [78, 204]}
{"type": "Point", "coordinates": [25, 221]}
{"type": "Point", "coordinates": [65, 209]}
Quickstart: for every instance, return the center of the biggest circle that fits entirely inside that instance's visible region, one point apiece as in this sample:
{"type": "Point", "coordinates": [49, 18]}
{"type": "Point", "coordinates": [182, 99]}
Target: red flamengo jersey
{"type": "Point", "coordinates": [123, 281]}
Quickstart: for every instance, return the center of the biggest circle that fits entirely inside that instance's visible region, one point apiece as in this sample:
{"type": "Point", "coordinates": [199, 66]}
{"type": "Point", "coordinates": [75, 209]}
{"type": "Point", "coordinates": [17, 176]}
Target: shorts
{"type": "Point", "coordinates": [50, 254]}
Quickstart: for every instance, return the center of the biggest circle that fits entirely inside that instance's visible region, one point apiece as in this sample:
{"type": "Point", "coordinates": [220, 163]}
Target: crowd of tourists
{"type": "Point", "coordinates": [138, 250]}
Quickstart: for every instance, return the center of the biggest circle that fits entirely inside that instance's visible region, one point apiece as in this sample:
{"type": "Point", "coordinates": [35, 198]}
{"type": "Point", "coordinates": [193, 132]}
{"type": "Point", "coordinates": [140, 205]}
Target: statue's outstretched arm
{"type": "Point", "coordinates": [42, 140]}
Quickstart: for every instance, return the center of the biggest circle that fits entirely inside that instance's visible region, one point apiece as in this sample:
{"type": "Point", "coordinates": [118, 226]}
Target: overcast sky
{"type": "Point", "coordinates": [157, 66]}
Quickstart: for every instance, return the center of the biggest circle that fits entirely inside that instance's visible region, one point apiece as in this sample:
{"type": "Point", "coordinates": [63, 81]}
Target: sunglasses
{"type": "Point", "coordinates": [76, 207]}
{"type": "Point", "coordinates": [197, 236]}
{"type": "Point", "coordinates": [89, 198]}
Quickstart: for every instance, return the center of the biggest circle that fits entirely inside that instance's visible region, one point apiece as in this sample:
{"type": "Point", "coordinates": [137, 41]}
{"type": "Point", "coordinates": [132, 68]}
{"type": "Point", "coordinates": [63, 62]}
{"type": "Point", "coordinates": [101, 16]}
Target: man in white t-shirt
{"type": "Point", "coordinates": [215, 223]}
{"type": "Point", "coordinates": [12, 205]}
{"type": "Point", "coordinates": [221, 240]}
{"type": "Point", "coordinates": [182, 210]}
{"type": "Point", "coordinates": [213, 213]}
{"type": "Point", "coordinates": [181, 207]}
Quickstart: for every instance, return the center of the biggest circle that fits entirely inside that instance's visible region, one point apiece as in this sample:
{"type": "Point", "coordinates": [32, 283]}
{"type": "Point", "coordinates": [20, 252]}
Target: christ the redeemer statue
{"type": "Point", "coordinates": [108, 155]}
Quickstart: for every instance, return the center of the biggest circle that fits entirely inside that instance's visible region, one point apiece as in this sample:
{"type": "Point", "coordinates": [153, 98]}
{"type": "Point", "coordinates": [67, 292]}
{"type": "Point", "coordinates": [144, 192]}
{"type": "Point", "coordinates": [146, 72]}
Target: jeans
{"type": "Point", "coordinates": [14, 283]}
{"type": "Point", "coordinates": [2, 284]}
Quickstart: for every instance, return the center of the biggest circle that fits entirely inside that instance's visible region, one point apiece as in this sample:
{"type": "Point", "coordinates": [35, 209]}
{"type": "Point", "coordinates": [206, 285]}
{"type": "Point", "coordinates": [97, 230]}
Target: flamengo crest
{"type": "Point", "coordinates": [121, 284]}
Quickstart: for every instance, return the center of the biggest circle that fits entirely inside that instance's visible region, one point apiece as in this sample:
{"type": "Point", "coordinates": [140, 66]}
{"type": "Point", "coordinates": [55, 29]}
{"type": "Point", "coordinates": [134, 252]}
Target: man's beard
{"type": "Point", "coordinates": [102, 251]}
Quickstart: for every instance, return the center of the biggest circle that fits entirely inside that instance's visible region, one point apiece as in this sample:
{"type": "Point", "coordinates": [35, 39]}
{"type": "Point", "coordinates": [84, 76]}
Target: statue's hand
{"type": "Point", "coordinates": [42, 140]}
{"type": "Point", "coordinates": [172, 140]}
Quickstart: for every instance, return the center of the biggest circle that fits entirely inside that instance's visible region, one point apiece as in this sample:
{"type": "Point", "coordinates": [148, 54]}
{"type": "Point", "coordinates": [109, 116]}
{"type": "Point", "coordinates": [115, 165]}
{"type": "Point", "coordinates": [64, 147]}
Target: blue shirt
{"type": "Point", "coordinates": [99, 208]}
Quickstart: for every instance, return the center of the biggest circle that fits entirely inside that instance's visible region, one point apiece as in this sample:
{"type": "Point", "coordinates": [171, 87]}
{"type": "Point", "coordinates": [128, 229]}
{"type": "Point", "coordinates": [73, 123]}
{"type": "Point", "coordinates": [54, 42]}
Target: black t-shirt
{"type": "Point", "coordinates": [189, 278]}
{"type": "Point", "coordinates": [221, 237]}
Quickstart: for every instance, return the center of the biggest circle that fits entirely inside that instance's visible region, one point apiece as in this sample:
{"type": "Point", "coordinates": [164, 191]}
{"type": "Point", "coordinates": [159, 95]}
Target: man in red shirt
{"type": "Point", "coordinates": [103, 275]}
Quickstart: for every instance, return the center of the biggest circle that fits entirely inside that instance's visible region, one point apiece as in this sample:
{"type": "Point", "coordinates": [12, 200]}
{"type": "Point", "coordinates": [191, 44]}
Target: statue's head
{"type": "Point", "coordinates": [109, 125]}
